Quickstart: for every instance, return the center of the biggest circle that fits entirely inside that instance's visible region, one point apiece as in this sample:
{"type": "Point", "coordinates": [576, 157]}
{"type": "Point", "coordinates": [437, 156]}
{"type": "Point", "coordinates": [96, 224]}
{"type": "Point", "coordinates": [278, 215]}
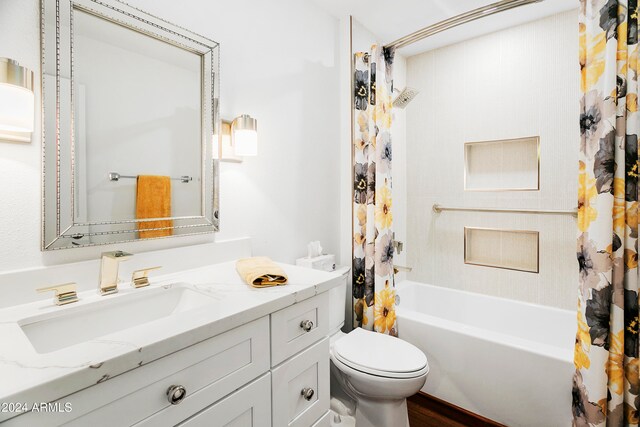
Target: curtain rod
{"type": "Point", "coordinates": [454, 21]}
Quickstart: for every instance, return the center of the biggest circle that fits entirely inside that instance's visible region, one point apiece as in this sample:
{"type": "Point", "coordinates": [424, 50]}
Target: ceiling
{"type": "Point", "coordinates": [389, 20]}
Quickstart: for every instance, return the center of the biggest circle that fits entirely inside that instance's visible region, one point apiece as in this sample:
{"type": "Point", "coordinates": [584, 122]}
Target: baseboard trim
{"type": "Point", "coordinates": [452, 412]}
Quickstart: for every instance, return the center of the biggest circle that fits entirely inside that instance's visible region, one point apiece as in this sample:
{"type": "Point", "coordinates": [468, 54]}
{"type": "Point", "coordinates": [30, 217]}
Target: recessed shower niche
{"type": "Point", "coordinates": [502, 248]}
{"type": "Point", "coordinates": [502, 165]}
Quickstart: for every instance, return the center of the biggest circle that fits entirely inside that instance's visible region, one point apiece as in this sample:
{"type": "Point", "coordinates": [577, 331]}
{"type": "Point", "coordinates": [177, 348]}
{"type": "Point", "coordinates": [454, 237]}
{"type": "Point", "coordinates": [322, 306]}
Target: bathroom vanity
{"type": "Point", "coordinates": [199, 347]}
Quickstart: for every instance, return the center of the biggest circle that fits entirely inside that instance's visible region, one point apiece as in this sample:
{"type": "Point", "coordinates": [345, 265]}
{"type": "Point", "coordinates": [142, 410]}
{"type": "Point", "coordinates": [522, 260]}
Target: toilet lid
{"type": "Point", "coordinates": [380, 354]}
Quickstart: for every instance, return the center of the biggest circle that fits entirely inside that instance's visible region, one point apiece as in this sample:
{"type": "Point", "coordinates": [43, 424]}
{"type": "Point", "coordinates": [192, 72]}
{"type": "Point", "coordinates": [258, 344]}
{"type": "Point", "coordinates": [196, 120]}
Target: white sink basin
{"type": "Point", "coordinates": [73, 325]}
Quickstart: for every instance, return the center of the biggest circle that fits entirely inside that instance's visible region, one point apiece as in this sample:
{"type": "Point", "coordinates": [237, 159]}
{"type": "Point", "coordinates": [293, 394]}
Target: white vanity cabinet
{"type": "Point", "coordinates": [300, 373]}
{"type": "Point", "coordinates": [306, 372]}
{"type": "Point", "coordinates": [249, 406]}
{"type": "Point", "coordinates": [297, 327]}
{"type": "Point", "coordinates": [272, 371]}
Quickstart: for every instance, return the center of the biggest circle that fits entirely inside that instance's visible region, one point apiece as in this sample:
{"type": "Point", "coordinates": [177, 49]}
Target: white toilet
{"type": "Point", "coordinates": [377, 371]}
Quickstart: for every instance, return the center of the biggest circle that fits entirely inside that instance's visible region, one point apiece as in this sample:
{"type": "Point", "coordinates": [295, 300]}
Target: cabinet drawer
{"type": "Point", "coordinates": [309, 369]}
{"type": "Point", "coordinates": [208, 370]}
{"type": "Point", "coordinates": [288, 336]}
{"type": "Point", "coordinates": [324, 421]}
{"type": "Point", "coordinates": [248, 407]}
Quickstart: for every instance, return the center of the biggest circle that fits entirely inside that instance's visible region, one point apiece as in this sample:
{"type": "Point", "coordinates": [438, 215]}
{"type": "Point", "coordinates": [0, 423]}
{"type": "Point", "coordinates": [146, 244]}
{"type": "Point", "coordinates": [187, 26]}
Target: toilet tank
{"type": "Point", "coordinates": [338, 302]}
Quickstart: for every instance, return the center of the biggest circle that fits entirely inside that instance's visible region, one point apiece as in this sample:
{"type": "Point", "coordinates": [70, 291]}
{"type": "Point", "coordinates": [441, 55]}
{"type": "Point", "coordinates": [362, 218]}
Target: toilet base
{"type": "Point", "coordinates": [376, 413]}
{"type": "Point", "coordinates": [379, 401]}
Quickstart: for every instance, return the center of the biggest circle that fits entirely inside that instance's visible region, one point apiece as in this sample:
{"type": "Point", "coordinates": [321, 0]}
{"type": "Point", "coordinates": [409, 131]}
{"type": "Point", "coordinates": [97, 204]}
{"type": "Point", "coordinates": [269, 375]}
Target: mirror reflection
{"type": "Point", "coordinates": [140, 100]}
{"type": "Point", "coordinates": [128, 127]}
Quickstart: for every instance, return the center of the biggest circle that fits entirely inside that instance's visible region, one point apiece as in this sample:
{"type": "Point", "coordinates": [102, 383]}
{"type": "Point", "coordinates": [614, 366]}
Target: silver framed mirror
{"type": "Point", "coordinates": [129, 111]}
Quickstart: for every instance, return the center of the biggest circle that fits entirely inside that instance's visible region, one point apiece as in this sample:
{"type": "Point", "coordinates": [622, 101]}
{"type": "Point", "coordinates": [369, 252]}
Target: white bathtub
{"type": "Point", "coordinates": [506, 360]}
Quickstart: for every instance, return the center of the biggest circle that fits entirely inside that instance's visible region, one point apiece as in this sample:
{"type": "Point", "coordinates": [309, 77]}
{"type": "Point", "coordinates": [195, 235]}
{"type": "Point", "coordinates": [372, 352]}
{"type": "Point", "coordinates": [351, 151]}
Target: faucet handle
{"type": "Point", "coordinates": [64, 293]}
{"type": "Point", "coordinates": [140, 278]}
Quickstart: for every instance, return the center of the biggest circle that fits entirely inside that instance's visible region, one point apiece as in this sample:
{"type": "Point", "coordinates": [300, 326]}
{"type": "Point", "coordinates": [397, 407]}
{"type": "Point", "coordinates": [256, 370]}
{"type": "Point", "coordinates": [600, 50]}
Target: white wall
{"type": "Point", "coordinates": [399, 170]}
{"type": "Point", "coordinates": [279, 64]}
{"type": "Point", "coordinates": [518, 82]}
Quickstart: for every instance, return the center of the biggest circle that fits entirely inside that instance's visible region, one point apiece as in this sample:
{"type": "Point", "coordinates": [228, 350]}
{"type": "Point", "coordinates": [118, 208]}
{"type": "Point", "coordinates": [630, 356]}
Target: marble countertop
{"type": "Point", "coordinates": [27, 376]}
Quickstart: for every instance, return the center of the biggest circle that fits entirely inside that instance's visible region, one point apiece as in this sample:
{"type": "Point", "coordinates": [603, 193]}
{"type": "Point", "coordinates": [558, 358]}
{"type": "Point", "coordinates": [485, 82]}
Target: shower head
{"type": "Point", "coordinates": [405, 97]}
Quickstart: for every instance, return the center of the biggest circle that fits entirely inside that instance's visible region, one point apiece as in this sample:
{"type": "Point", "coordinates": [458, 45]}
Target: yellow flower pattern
{"type": "Point", "coordinates": [594, 68]}
{"type": "Point", "coordinates": [383, 108]}
{"type": "Point", "coordinates": [583, 343]}
{"type": "Point", "coordinates": [606, 387]}
{"type": "Point", "coordinates": [384, 219]}
{"type": "Point", "coordinates": [385, 311]}
{"type": "Point", "coordinates": [586, 197]}
{"type": "Point", "coordinates": [373, 281]}
{"type": "Point", "coordinates": [615, 365]}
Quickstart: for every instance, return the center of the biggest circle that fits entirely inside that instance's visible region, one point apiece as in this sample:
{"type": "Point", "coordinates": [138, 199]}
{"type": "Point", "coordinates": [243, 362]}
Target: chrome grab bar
{"type": "Point", "coordinates": [573, 212]}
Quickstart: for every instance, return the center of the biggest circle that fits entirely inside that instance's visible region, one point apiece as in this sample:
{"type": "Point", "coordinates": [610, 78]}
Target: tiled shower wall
{"type": "Point", "coordinates": [518, 82]}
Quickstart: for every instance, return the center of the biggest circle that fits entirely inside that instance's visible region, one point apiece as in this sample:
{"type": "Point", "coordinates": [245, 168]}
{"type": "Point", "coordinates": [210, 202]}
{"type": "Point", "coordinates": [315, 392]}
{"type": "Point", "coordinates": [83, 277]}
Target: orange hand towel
{"type": "Point", "coordinates": [153, 200]}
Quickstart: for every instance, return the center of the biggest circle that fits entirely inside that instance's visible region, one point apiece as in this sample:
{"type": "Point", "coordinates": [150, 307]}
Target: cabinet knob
{"type": "Point", "coordinates": [307, 393]}
{"type": "Point", "coordinates": [176, 394]}
{"type": "Point", "coordinates": [307, 325]}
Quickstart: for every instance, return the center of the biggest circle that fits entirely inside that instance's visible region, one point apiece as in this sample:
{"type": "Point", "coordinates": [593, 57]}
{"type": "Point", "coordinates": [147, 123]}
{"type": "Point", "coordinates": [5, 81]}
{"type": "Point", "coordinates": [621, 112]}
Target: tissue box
{"type": "Point", "coordinates": [322, 262]}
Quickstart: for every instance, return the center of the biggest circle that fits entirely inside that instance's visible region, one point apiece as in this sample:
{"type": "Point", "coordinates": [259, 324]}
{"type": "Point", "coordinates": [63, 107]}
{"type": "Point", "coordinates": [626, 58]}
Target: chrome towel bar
{"type": "Point", "coordinates": [115, 176]}
{"type": "Point", "coordinates": [573, 212]}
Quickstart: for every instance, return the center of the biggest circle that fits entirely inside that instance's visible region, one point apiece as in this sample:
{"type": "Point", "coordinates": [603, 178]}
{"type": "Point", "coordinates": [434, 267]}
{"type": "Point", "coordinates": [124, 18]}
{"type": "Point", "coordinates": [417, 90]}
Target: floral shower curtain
{"type": "Point", "coordinates": [606, 384]}
{"type": "Point", "coordinates": [373, 285]}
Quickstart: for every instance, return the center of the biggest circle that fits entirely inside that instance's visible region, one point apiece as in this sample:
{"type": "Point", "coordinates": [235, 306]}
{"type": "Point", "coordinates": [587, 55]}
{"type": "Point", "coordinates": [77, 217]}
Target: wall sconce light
{"type": "Point", "coordinates": [225, 152]}
{"type": "Point", "coordinates": [244, 132]}
{"type": "Point", "coordinates": [17, 101]}
{"type": "Point", "coordinates": [237, 139]}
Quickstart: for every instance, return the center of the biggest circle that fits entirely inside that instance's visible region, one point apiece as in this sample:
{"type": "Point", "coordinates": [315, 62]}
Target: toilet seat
{"type": "Point", "coordinates": [380, 355]}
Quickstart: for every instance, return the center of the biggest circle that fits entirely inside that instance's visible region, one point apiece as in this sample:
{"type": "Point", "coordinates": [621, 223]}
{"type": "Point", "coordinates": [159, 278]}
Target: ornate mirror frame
{"type": "Point", "coordinates": [61, 225]}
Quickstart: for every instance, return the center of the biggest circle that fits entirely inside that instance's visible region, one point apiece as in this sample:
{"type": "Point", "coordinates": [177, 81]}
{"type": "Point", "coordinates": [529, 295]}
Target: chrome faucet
{"type": "Point", "coordinates": [109, 271]}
